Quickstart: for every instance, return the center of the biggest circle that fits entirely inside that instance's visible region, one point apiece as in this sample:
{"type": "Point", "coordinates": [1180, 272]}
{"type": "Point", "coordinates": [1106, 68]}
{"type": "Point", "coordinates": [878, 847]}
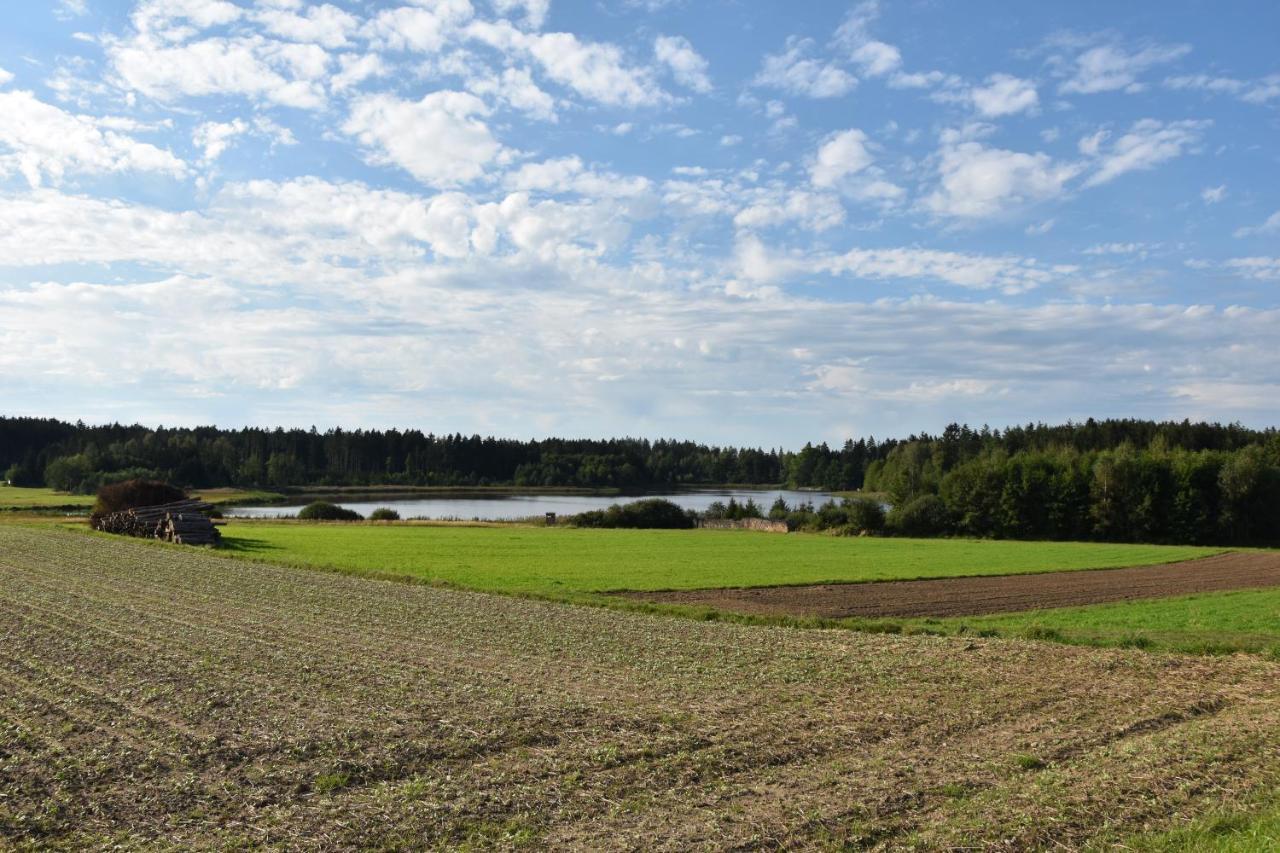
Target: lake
{"type": "Point", "coordinates": [505, 507]}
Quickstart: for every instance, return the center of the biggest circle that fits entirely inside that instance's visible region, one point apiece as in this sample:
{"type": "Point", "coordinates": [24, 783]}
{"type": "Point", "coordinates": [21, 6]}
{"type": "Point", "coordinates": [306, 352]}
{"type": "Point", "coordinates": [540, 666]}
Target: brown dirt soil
{"type": "Point", "coordinates": [153, 697]}
{"type": "Point", "coordinates": [997, 594]}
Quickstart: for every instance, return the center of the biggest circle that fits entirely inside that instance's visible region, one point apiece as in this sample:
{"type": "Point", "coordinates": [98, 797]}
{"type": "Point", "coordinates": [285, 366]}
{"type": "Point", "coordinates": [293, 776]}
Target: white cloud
{"type": "Point", "coordinates": [439, 139]}
{"type": "Point", "coordinates": [41, 141]}
{"type": "Point", "coordinates": [1213, 195]}
{"type": "Point", "coordinates": [5, 77]}
{"type": "Point", "coordinates": [1010, 274]}
{"type": "Point", "coordinates": [875, 58]}
{"type": "Point", "coordinates": [730, 139]}
{"type": "Point", "coordinates": [686, 64]}
{"type": "Point", "coordinates": [1260, 268]}
{"type": "Point", "coordinates": [355, 68]}
{"type": "Point", "coordinates": [1258, 91]}
{"type": "Point", "coordinates": [1037, 229]}
{"type": "Point", "coordinates": [68, 9]}
{"type": "Point", "coordinates": [251, 66]}
{"type": "Point", "coordinates": [534, 11]}
{"type": "Point", "coordinates": [596, 70]}
{"type": "Point", "coordinates": [516, 88]}
{"type": "Point", "coordinates": [324, 25]}
{"type": "Point", "coordinates": [1270, 226]}
{"type": "Point", "coordinates": [842, 154]}
{"type": "Point", "coordinates": [1147, 144]}
{"type": "Point", "coordinates": [1108, 68]}
{"type": "Point", "coordinates": [179, 20]}
{"type": "Point", "coordinates": [422, 30]}
{"type": "Point", "coordinates": [215, 137]}
{"type": "Point", "coordinates": [979, 182]}
{"type": "Point", "coordinates": [1004, 95]}
{"type": "Point", "coordinates": [792, 72]}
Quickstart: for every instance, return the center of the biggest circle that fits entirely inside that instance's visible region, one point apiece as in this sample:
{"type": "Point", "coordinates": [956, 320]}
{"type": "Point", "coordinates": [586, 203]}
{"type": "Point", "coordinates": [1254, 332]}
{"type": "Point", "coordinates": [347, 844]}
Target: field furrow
{"type": "Point", "coordinates": [155, 696]}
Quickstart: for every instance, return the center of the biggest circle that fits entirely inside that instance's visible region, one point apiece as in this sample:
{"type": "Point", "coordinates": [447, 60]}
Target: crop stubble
{"type": "Point", "coordinates": [155, 696]}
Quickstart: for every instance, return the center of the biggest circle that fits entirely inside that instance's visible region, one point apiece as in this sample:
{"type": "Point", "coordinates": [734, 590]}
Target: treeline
{"type": "Point", "coordinates": [79, 457]}
{"type": "Point", "coordinates": [1122, 480]}
{"type": "Point", "coordinates": [1225, 493]}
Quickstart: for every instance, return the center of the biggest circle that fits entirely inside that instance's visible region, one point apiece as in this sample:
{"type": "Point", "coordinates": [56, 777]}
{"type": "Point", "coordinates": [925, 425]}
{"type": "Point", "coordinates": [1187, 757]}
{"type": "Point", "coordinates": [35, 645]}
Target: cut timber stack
{"type": "Point", "coordinates": [183, 522]}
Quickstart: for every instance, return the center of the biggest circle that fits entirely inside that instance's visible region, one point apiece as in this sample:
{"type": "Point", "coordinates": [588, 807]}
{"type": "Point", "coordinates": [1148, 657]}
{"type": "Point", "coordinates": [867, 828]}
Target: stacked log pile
{"type": "Point", "coordinates": [184, 522]}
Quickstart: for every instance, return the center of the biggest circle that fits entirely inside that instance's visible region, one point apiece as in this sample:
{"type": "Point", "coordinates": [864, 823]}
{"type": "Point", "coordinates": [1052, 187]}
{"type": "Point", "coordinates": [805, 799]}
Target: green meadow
{"type": "Point", "coordinates": [566, 561]}
{"type": "Point", "coordinates": [1216, 622]}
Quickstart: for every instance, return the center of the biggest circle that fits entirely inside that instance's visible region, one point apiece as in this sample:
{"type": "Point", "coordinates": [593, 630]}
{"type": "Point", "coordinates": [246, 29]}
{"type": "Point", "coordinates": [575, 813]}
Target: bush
{"type": "Point", "coordinates": [925, 516]}
{"type": "Point", "coordinates": [864, 514]}
{"type": "Point", "coordinates": [655, 513]}
{"type": "Point", "coordinates": [325, 511]}
{"type": "Point", "coordinates": [131, 494]}
{"type": "Point", "coordinates": [384, 513]}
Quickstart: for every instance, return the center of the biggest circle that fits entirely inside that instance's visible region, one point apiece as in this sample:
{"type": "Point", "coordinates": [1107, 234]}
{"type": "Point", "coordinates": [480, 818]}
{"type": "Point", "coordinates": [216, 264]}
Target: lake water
{"type": "Point", "coordinates": [499, 507]}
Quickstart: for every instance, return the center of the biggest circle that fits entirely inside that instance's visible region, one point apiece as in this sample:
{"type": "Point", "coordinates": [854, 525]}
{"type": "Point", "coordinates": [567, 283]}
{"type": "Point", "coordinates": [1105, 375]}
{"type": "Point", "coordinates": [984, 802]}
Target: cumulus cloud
{"type": "Point", "coordinates": [288, 74]}
{"type": "Point", "coordinates": [978, 182]}
{"type": "Point", "coordinates": [5, 76]}
{"type": "Point", "coordinates": [686, 64]}
{"type": "Point", "coordinates": [414, 28]}
{"type": "Point", "coordinates": [41, 141]}
{"type": "Point", "coordinates": [1147, 144]}
{"type": "Point", "coordinates": [595, 70]}
{"type": "Point", "coordinates": [324, 25]}
{"type": "Point", "coordinates": [215, 137]}
{"type": "Point", "coordinates": [1110, 68]}
{"type": "Point", "coordinates": [441, 140]}
{"type": "Point", "coordinates": [1213, 195]}
{"type": "Point", "coordinates": [842, 154]}
{"type": "Point", "coordinates": [1004, 95]}
{"type": "Point", "coordinates": [794, 72]}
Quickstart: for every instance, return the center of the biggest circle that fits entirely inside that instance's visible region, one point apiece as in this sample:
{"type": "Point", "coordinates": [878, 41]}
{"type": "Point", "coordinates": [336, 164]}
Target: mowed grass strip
{"type": "Point", "coordinates": [561, 561]}
{"type": "Point", "coordinates": [1217, 623]}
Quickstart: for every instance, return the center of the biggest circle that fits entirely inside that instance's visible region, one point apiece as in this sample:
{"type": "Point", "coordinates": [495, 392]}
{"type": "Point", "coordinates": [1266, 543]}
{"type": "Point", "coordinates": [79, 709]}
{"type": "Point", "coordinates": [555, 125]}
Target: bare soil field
{"type": "Point", "coordinates": [154, 697]}
{"type": "Point", "coordinates": [980, 595]}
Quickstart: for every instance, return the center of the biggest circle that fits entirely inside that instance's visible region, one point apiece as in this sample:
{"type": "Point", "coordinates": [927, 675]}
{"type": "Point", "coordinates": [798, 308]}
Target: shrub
{"type": "Point", "coordinates": [925, 516]}
{"type": "Point", "coordinates": [384, 513]}
{"type": "Point", "coordinates": [656, 513]}
{"type": "Point", "coordinates": [130, 494]}
{"type": "Point", "coordinates": [325, 511]}
{"type": "Point", "coordinates": [864, 514]}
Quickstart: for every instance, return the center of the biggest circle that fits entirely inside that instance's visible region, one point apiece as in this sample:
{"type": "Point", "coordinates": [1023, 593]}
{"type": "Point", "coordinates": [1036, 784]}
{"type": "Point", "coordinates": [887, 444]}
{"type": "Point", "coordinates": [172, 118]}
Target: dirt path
{"type": "Point", "coordinates": [153, 697]}
{"type": "Point", "coordinates": [1001, 594]}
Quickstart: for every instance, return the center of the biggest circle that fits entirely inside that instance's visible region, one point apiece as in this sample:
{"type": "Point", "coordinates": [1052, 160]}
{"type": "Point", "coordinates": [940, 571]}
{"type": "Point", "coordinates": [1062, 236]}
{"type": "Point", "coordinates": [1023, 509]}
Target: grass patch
{"type": "Point", "coordinates": [1252, 828]}
{"type": "Point", "coordinates": [561, 562]}
{"type": "Point", "coordinates": [18, 498]}
{"type": "Point", "coordinates": [231, 496]}
{"type": "Point", "coordinates": [1213, 623]}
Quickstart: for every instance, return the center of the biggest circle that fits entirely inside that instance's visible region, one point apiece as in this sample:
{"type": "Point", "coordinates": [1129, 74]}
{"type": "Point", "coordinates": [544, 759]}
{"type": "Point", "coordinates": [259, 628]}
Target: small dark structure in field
{"type": "Point", "coordinates": [183, 522]}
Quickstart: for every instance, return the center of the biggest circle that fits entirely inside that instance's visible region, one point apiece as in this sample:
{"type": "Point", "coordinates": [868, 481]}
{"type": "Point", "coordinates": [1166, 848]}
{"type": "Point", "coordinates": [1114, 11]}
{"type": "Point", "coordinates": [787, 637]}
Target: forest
{"type": "Point", "coordinates": [1117, 480]}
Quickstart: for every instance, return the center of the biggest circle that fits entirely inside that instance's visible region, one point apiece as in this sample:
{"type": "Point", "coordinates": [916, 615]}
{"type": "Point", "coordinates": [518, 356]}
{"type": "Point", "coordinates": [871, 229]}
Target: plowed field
{"type": "Point", "coordinates": [979, 595]}
{"type": "Point", "coordinates": [158, 697]}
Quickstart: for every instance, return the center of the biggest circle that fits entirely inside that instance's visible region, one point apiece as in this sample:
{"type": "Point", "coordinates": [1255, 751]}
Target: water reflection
{"type": "Point", "coordinates": [500, 507]}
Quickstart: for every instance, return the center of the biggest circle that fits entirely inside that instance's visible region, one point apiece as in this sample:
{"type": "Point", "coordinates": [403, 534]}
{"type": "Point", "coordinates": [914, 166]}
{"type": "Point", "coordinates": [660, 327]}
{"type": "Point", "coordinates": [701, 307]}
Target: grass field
{"type": "Point", "coordinates": [155, 696]}
{"type": "Point", "coordinates": [1240, 620]}
{"type": "Point", "coordinates": [567, 561]}
{"type": "Point", "coordinates": [13, 497]}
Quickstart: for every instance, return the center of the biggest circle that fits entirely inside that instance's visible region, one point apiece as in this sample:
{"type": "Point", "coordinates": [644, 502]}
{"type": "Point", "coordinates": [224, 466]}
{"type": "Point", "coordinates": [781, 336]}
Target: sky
{"type": "Point", "coordinates": [753, 223]}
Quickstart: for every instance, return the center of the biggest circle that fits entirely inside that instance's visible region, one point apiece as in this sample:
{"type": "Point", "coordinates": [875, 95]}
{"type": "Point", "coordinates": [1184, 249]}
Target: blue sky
{"type": "Point", "coordinates": [740, 222]}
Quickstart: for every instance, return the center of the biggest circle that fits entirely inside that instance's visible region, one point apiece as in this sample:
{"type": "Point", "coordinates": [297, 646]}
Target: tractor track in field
{"type": "Point", "coordinates": [974, 596]}
{"type": "Point", "coordinates": [158, 697]}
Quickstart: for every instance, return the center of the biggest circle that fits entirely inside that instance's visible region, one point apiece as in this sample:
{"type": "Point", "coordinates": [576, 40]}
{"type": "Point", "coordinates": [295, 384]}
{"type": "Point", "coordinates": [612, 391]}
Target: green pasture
{"type": "Point", "coordinates": [567, 561]}
{"type": "Point", "coordinates": [1217, 622]}
{"type": "Point", "coordinates": [17, 498]}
